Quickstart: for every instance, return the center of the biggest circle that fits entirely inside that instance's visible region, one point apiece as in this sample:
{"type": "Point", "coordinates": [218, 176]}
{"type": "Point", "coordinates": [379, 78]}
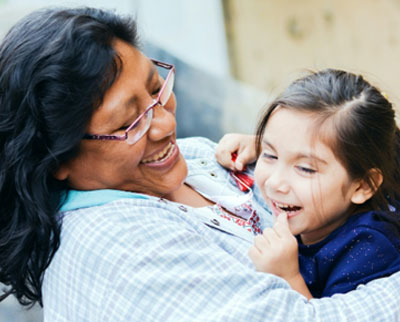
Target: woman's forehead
{"type": "Point", "coordinates": [131, 57]}
{"type": "Point", "coordinates": [132, 82]}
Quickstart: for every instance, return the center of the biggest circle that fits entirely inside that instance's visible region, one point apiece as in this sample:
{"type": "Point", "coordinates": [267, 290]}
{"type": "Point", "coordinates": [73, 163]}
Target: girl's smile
{"type": "Point", "coordinates": [289, 209]}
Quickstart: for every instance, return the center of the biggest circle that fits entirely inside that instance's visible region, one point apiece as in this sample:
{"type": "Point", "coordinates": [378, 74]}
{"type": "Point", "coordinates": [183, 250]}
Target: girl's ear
{"type": "Point", "coordinates": [364, 191]}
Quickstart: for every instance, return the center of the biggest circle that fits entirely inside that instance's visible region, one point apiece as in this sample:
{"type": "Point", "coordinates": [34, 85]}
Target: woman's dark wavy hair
{"type": "Point", "coordinates": [360, 122]}
{"type": "Point", "coordinates": [55, 67]}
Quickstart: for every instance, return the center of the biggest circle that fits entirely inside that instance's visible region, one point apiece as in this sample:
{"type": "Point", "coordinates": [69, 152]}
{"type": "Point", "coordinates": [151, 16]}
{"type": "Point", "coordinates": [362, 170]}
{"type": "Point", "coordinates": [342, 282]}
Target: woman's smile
{"type": "Point", "coordinates": [164, 158]}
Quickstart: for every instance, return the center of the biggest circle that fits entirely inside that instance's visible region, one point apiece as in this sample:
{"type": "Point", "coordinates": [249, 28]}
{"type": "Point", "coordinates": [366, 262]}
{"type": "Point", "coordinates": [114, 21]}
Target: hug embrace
{"type": "Point", "coordinates": [107, 216]}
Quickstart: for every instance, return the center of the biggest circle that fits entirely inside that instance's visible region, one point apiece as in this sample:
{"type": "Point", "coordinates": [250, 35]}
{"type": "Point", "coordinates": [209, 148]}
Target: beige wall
{"type": "Point", "coordinates": [272, 41]}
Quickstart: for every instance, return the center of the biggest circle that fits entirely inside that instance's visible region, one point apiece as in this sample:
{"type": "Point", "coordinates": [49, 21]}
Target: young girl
{"type": "Point", "coordinates": [328, 168]}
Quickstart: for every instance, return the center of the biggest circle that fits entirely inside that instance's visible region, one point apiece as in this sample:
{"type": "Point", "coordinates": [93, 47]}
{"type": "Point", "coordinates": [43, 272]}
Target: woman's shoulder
{"type": "Point", "coordinates": [194, 147]}
{"type": "Point", "coordinates": [120, 214]}
{"type": "Point", "coordinates": [101, 243]}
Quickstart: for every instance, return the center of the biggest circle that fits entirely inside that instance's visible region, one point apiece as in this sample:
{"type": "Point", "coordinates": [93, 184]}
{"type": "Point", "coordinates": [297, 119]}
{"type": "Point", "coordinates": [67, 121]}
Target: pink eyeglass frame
{"type": "Point", "coordinates": [157, 101]}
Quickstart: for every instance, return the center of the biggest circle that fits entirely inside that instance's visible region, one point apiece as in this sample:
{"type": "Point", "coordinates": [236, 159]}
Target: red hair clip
{"type": "Point", "coordinates": [243, 180]}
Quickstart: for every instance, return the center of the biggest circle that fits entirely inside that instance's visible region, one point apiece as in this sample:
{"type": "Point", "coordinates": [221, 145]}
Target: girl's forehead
{"type": "Point", "coordinates": [308, 123]}
{"type": "Point", "coordinates": [300, 133]}
{"type": "Point", "coordinates": [291, 121]}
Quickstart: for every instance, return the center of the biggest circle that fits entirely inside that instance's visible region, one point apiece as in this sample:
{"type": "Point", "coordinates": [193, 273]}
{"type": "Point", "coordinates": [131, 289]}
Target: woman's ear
{"type": "Point", "coordinates": [364, 191]}
{"type": "Point", "coordinates": [62, 173]}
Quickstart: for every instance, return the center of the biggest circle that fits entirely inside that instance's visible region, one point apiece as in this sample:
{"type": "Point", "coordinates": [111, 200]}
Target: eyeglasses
{"type": "Point", "coordinates": [140, 126]}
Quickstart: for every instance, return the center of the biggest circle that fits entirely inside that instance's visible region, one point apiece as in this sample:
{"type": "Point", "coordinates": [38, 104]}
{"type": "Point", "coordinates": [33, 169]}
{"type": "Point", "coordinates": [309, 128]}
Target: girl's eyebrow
{"type": "Point", "coordinates": [312, 156]}
{"type": "Point", "coordinates": [298, 155]}
{"type": "Point", "coordinates": [268, 144]}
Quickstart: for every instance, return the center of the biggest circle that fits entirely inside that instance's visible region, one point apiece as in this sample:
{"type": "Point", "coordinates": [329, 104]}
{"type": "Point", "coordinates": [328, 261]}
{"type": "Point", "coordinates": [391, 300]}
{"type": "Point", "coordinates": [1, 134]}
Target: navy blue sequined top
{"type": "Point", "coordinates": [366, 247]}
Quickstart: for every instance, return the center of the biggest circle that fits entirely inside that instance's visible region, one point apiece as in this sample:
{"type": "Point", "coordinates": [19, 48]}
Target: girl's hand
{"type": "Point", "coordinates": [276, 250]}
{"type": "Point", "coordinates": [242, 144]}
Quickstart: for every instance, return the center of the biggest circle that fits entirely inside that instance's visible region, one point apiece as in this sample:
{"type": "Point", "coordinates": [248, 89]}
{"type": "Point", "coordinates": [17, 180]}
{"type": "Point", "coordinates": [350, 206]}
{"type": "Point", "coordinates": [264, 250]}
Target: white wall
{"type": "Point", "coordinates": [192, 30]}
{"type": "Point", "coordinates": [13, 10]}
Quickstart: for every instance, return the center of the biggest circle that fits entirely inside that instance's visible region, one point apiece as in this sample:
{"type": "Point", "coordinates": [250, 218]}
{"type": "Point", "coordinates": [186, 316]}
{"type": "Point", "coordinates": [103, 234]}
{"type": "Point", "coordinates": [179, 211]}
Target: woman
{"type": "Point", "coordinates": [105, 216]}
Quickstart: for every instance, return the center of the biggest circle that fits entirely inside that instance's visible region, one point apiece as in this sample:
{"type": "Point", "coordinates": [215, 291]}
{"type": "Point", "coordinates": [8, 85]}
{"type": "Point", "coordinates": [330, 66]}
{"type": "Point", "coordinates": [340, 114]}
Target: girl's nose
{"type": "Point", "coordinates": [278, 182]}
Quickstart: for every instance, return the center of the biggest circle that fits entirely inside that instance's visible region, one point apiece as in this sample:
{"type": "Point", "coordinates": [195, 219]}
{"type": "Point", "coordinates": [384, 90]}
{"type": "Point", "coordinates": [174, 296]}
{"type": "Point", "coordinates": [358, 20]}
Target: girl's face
{"type": "Point", "coordinates": [300, 175]}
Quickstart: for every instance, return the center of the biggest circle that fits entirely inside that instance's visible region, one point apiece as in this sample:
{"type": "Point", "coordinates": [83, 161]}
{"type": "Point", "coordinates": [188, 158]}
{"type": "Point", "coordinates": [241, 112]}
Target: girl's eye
{"type": "Point", "coordinates": [269, 156]}
{"type": "Point", "coordinates": [306, 170]}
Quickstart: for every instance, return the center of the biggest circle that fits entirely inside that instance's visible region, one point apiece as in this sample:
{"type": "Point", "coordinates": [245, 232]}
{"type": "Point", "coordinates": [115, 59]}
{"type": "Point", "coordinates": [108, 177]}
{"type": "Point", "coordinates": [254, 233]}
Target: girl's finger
{"type": "Point", "coordinates": [261, 243]}
{"type": "Point", "coordinates": [254, 253]}
{"type": "Point", "coordinates": [281, 225]}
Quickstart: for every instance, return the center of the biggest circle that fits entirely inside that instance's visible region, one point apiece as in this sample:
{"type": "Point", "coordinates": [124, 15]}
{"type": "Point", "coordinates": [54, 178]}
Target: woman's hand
{"type": "Point", "coordinates": [276, 252]}
{"type": "Point", "coordinates": [242, 144]}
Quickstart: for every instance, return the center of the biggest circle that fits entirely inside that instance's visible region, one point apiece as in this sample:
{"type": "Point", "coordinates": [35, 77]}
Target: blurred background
{"type": "Point", "coordinates": [233, 56]}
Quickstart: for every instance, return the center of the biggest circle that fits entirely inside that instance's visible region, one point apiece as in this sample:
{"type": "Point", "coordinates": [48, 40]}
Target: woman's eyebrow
{"type": "Point", "coordinates": [131, 100]}
{"type": "Point", "coordinates": [151, 73]}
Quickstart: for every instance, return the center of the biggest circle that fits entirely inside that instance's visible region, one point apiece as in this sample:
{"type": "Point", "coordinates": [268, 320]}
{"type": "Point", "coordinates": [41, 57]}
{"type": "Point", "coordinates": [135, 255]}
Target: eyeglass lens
{"type": "Point", "coordinates": [143, 125]}
{"type": "Point", "coordinates": [141, 128]}
{"type": "Point", "coordinates": [168, 90]}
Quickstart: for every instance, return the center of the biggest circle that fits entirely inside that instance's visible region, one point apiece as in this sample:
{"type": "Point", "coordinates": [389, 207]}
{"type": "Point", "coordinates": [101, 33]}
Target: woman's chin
{"type": "Point", "coordinates": [173, 181]}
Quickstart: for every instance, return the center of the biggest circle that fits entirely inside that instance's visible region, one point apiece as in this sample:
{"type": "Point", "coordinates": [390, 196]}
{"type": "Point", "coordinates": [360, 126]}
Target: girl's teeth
{"type": "Point", "coordinates": [286, 207]}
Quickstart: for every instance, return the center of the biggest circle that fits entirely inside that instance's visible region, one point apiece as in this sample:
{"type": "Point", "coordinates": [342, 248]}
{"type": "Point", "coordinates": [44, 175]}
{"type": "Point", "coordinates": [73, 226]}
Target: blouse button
{"type": "Point", "coordinates": [203, 162]}
{"type": "Point", "coordinates": [215, 222]}
{"type": "Point", "coordinates": [183, 208]}
{"type": "Point", "coordinates": [213, 174]}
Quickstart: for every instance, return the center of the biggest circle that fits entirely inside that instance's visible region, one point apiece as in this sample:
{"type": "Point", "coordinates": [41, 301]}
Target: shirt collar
{"type": "Point", "coordinates": [76, 199]}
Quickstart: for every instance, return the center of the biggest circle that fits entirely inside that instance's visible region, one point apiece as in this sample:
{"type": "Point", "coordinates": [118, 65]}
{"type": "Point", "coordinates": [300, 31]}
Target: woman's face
{"type": "Point", "coordinates": [154, 164]}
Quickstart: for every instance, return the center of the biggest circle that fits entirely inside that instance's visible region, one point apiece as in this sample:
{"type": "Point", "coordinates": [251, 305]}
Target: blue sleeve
{"type": "Point", "coordinates": [368, 254]}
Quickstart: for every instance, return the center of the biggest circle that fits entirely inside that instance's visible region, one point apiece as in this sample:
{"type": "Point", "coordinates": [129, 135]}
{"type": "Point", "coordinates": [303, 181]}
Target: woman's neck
{"type": "Point", "coordinates": [188, 196]}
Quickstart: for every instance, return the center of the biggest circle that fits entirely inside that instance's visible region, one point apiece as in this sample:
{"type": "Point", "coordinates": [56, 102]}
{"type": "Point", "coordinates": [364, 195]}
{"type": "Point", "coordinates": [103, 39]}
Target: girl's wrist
{"type": "Point", "coordinates": [292, 278]}
{"type": "Point", "coordinates": [298, 283]}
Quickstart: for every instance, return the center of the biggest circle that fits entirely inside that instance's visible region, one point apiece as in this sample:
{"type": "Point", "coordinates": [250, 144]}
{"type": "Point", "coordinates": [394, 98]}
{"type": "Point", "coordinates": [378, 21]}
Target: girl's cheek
{"type": "Point", "coordinates": [258, 175]}
{"type": "Point", "coordinates": [261, 177]}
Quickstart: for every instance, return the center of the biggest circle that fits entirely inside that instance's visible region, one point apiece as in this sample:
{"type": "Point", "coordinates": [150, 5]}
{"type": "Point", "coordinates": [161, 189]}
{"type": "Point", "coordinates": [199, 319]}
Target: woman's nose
{"type": "Point", "coordinates": [163, 123]}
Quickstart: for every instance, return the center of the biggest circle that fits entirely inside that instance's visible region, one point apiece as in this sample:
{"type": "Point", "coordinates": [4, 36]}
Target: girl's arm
{"type": "Point", "coordinates": [276, 252]}
{"type": "Point", "coordinates": [298, 284]}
